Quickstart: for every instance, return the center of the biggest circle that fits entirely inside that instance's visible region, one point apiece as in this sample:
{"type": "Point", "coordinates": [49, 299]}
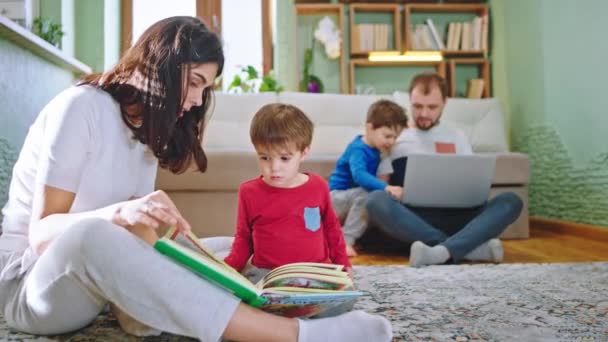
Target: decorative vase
{"type": "Point", "coordinates": [313, 87]}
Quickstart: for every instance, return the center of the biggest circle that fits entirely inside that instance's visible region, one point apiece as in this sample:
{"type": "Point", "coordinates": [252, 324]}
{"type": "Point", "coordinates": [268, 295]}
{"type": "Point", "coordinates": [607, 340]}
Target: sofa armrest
{"type": "Point", "coordinates": [512, 168]}
{"type": "Point", "coordinates": [225, 171]}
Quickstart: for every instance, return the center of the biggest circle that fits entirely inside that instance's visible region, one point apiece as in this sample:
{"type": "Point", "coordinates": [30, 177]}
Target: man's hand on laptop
{"type": "Point", "coordinates": [395, 191]}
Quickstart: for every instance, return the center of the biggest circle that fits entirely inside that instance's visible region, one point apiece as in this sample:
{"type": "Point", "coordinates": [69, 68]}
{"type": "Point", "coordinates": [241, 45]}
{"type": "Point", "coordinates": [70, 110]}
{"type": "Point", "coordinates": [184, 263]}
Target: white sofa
{"type": "Point", "coordinates": [209, 200]}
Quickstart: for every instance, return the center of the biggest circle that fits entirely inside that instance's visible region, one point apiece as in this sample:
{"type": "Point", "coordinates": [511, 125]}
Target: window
{"type": "Point", "coordinates": [242, 36]}
{"type": "Point", "coordinates": [147, 12]}
{"type": "Point", "coordinates": [241, 24]}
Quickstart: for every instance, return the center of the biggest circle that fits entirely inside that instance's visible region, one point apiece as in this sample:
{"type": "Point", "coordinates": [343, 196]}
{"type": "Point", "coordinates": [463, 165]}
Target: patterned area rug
{"type": "Point", "coordinates": [511, 302]}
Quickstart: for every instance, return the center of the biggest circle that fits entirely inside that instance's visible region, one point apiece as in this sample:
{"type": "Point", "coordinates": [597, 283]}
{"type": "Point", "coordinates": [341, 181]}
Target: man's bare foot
{"type": "Point", "coordinates": [350, 251]}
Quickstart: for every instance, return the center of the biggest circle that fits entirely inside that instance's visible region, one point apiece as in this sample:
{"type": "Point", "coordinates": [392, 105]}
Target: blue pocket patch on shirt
{"type": "Point", "coordinates": [312, 218]}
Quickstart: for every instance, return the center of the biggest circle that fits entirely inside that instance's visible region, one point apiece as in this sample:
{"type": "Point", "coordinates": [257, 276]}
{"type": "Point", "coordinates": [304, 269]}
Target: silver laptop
{"type": "Point", "coordinates": [448, 180]}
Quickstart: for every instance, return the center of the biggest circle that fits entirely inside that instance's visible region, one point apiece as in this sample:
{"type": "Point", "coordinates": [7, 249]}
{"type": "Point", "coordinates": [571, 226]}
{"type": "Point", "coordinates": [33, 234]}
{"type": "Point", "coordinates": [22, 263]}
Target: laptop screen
{"type": "Point", "coordinates": [398, 175]}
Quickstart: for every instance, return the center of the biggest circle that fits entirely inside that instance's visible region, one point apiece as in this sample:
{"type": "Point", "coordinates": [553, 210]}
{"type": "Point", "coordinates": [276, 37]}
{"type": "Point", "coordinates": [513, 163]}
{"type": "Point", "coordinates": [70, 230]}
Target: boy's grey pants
{"type": "Point", "coordinates": [95, 262]}
{"type": "Point", "coordinates": [349, 205]}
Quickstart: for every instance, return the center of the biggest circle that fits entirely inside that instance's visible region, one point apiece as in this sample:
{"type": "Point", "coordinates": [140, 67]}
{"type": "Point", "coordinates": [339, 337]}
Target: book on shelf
{"type": "Point", "coordinates": [484, 32]}
{"type": "Point", "coordinates": [356, 38]}
{"type": "Point", "coordinates": [370, 37]}
{"type": "Point", "coordinates": [475, 89]}
{"type": "Point", "coordinates": [466, 43]}
{"type": "Point", "coordinates": [457, 36]}
{"type": "Point", "coordinates": [377, 37]}
{"type": "Point", "coordinates": [435, 35]}
{"type": "Point", "coordinates": [476, 33]}
{"type": "Point", "coordinates": [412, 39]}
{"type": "Point", "coordinates": [425, 38]}
{"type": "Point", "coordinates": [292, 290]}
{"type": "Point", "coordinates": [468, 35]}
{"type": "Point", "coordinates": [450, 41]}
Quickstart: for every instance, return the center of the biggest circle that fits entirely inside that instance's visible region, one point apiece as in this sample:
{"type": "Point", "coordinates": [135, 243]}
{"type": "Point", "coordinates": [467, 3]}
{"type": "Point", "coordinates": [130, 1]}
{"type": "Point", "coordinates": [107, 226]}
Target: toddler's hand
{"type": "Point", "coordinates": [351, 275]}
{"type": "Point", "coordinates": [395, 191]}
{"type": "Point", "coordinates": [350, 251]}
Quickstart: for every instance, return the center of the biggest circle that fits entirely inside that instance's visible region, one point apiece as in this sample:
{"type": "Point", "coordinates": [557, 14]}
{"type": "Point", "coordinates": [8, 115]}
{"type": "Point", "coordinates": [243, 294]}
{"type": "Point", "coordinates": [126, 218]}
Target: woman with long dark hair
{"type": "Point", "coordinates": [82, 195]}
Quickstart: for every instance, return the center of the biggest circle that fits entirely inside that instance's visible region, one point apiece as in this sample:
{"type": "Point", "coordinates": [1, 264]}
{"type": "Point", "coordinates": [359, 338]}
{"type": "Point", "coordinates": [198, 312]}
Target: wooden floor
{"type": "Point", "coordinates": [549, 242]}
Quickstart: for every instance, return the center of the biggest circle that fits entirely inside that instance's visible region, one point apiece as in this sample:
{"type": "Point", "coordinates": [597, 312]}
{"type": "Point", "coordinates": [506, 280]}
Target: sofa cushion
{"type": "Point", "coordinates": [236, 107]}
{"type": "Point", "coordinates": [484, 121]}
{"type": "Point", "coordinates": [230, 119]}
{"type": "Point", "coordinates": [481, 120]}
{"type": "Point", "coordinates": [220, 134]}
{"type": "Point", "coordinates": [332, 140]}
{"type": "Point", "coordinates": [337, 118]}
{"type": "Point", "coordinates": [331, 109]}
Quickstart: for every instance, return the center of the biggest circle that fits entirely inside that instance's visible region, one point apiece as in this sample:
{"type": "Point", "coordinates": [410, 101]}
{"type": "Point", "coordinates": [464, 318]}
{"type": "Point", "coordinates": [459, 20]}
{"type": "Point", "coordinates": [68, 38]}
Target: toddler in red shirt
{"type": "Point", "coordinates": [284, 215]}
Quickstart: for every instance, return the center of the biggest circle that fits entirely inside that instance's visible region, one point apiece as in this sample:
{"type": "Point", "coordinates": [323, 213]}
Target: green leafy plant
{"type": "Point", "coordinates": [310, 83]}
{"type": "Point", "coordinates": [48, 30]}
{"type": "Point", "coordinates": [251, 82]}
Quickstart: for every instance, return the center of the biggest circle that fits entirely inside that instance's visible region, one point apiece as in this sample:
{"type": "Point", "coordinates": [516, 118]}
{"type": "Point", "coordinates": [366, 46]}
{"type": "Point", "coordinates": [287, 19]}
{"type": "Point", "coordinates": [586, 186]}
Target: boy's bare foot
{"type": "Point", "coordinates": [350, 251]}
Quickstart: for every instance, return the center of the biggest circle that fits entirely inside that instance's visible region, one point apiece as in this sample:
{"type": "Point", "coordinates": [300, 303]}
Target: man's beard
{"type": "Point", "coordinates": [433, 124]}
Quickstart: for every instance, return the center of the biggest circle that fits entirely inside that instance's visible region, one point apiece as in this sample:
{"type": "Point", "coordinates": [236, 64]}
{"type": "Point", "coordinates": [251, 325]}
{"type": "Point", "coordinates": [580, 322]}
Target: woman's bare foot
{"type": "Point", "coordinates": [350, 251]}
{"type": "Point", "coordinates": [132, 326]}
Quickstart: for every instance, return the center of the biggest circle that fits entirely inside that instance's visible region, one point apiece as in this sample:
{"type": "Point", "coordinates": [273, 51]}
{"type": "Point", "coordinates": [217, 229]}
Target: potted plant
{"type": "Point", "coordinates": [328, 35]}
{"type": "Point", "coordinates": [251, 82]}
{"type": "Point", "coordinates": [48, 30]}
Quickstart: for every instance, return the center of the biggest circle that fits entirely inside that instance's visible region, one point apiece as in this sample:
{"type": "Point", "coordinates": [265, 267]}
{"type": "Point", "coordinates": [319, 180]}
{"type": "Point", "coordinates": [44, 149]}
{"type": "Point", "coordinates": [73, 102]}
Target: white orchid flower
{"type": "Point", "coordinates": [329, 35]}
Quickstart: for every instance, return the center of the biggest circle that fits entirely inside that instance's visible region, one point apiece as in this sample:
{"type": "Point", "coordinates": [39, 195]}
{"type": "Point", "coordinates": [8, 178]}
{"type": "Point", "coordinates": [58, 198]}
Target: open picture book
{"type": "Point", "coordinates": [292, 290]}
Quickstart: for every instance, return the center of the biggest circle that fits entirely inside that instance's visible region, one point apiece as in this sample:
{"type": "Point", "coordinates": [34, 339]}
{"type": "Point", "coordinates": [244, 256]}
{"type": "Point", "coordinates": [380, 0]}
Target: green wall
{"type": "Point", "coordinates": [548, 67]}
{"type": "Point", "coordinates": [90, 32]}
{"type": "Point", "coordinates": [284, 46]}
{"type": "Point", "coordinates": [51, 9]}
{"type": "Point", "coordinates": [97, 38]}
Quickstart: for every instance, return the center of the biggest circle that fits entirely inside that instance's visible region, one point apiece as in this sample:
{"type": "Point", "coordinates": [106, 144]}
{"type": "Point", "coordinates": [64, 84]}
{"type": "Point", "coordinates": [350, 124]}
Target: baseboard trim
{"type": "Point", "coordinates": [570, 228]}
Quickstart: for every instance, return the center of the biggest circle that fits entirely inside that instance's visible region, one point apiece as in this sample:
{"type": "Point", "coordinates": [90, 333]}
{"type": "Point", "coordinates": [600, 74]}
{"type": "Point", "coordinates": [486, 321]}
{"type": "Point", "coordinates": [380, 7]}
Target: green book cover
{"type": "Point", "coordinates": [210, 270]}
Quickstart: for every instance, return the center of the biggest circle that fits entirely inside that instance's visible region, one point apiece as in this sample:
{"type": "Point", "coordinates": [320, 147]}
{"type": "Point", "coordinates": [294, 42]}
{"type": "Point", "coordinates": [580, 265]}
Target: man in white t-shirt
{"type": "Point", "coordinates": [437, 235]}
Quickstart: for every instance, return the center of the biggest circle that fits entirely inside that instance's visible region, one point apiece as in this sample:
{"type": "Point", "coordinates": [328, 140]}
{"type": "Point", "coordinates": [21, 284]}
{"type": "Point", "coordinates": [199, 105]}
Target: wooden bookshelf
{"type": "Point", "coordinates": [365, 63]}
{"type": "Point", "coordinates": [399, 15]}
{"type": "Point", "coordinates": [484, 73]}
{"type": "Point", "coordinates": [336, 10]}
{"type": "Point", "coordinates": [478, 9]}
{"type": "Point", "coordinates": [391, 9]}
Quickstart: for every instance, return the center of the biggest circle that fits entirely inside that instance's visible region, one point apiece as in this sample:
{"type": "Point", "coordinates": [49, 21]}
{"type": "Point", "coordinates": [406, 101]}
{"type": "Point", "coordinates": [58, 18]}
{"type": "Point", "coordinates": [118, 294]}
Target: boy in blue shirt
{"type": "Point", "coordinates": [355, 173]}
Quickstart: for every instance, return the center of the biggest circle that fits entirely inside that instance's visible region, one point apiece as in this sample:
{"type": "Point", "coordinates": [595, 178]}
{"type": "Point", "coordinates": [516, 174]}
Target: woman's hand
{"type": "Point", "coordinates": [153, 211]}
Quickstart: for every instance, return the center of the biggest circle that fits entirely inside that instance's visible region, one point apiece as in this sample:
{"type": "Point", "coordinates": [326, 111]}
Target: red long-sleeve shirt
{"type": "Point", "coordinates": [284, 225]}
